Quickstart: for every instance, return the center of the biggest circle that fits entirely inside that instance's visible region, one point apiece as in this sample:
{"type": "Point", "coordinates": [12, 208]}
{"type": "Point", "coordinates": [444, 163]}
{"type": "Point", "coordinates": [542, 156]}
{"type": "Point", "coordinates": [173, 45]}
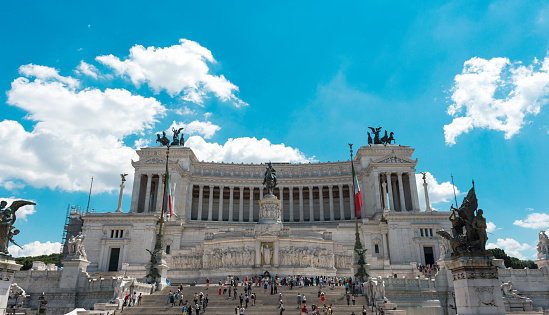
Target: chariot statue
{"type": "Point", "coordinates": [163, 140]}
{"type": "Point", "coordinates": [176, 140]}
{"type": "Point", "coordinates": [269, 179]}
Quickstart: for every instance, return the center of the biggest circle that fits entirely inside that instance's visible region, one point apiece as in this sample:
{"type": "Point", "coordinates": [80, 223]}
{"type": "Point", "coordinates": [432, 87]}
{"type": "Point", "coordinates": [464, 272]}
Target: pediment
{"type": "Point", "coordinates": [154, 161]}
{"type": "Point", "coordinates": [393, 159]}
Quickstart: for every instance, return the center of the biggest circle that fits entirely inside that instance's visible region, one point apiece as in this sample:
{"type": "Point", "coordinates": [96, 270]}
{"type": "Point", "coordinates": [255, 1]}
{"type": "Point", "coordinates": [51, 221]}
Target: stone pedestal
{"type": "Point", "coordinates": [542, 261]}
{"type": "Point", "coordinates": [269, 210]}
{"type": "Point", "coordinates": [71, 272]}
{"type": "Point", "coordinates": [7, 270]}
{"type": "Point", "coordinates": [476, 284]}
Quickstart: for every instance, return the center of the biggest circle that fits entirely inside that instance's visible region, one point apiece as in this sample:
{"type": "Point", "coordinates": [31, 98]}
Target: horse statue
{"type": "Point", "coordinates": [164, 140]}
{"type": "Point", "coordinates": [391, 138]}
{"type": "Point", "coordinates": [385, 138]}
{"type": "Point", "coordinates": [369, 138]}
{"type": "Point", "coordinates": [269, 180]}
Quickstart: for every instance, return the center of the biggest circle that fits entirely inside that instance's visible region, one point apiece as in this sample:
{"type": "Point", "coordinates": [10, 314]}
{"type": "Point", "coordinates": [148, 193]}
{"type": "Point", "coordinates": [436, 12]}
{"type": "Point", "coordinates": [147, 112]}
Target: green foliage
{"type": "Point", "coordinates": [512, 262]}
{"type": "Point", "coordinates": [47, 259]}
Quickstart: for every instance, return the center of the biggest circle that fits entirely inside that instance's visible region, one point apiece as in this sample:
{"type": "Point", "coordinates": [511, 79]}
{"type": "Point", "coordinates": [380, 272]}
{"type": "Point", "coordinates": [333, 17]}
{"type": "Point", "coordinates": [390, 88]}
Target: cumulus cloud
{"type": "Point", "coordinates": [534, 221]}
{"type": "Point", "coordinates": [245, 149]}
{"type": "Point", "coordinates": [11, 185]}
{"type": "Point", "coordinates": [185, 111]}
{"type": "Point", "coordinates": [35, 249]}
{"type": "Point", "coordinates": [443, 192]}
{"type": "Point", "coordinates": [204, 128]}
{"type": "Point", "coordinates": [182, 69]}
{"type": "Point", "coordinates": [87, 69]}
{"type": "Point", "coordinates": [496, 94]}
{"type": "Point", "coordinates": [23, 212]}
{"type": "Point", "coordinates": [491, 227]}
{"type": "Point", "coordinates": [77, 133]}
{"type": "Point", "coordinates": [43, 73]}
{"type": "Point", "coordinates": [510, 246]}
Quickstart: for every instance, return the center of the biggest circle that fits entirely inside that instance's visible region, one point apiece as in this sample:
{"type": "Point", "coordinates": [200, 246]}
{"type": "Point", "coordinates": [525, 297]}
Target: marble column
{"type": "Point", "coordinates": [291, 204]}
{"type": "Point", "coordinates": [386, 207]}
{"type": "Point", "coordinates": [427, 203]}
{"type": "Point", "coordinates": [135, 192]}
{"type": "Point", "coordinates": [251, 214]}
{"type": "Point", "coordinates": [231, 206]}
{"type": "Point", "coordinates": [401, 190]}
{"type": "Point", "coordinates": [210, 203]}
{"type": "Point", "coordinates": [148, 193]}
{"type": "Point", "coordinates": [352, 201]}
{"type": "Point", "coordinates": [377, 194]}
{"type": "Point", "coordinates": [321, 202]}
{"type": "Point", "coordinates": [311, 210]}
{"type": "Point", "coordinates": [413, 190]}
{"type": "Point", "coordinates": [281, 193]}
{"type": "Point", "coordinates": [261, 192]}
{"type": "Point", "coordinates": [200, 200]}
{"type": "Point", "coordinates": [390, 191]}
{"type": "Point", "coordinates": [340, 186]}
{"type": "Point", "coordinates": [189, 202]}
{"type": "Point", "coordinates": [159, 193]}
{"type": "Point", "coordinates": [301, 219]}
{"type": "Point", "coordinates": [220, 212]}
{"type": "Point", "coordinates": [241, 205]}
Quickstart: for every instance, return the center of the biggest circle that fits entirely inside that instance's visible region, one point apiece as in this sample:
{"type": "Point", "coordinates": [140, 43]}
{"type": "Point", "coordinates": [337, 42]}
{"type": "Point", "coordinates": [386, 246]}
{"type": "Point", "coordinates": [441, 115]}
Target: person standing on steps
{"type": "Point", "coordinates": [242, 311]}
{"type": "Point", "coordinates": [363, 310]}
{"type": "Point", "coordinates": [139, 299]}
{"type": "Point", "coordinates": [298, 300]}
{"type": "Point", "coordinates": [241, 299]}
{"type": "Point", "coordinates": [304, 299]}
{"type": "Point", "coordinates": [281, 307]}
{"type": "Point", "coordinates": [354, 299]}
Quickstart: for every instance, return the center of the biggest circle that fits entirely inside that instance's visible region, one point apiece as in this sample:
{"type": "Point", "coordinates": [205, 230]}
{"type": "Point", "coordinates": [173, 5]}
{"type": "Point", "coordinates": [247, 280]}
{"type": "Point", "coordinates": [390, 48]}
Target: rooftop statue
{"type": "Point", "coordinates": [386, 139]}
{"type": "Point", "coordinates": [164, 140]}
{"type": "Point", "coordinates": [468, 230]}
{"type": "Point", "coordinates": [543, 245]}
{"type": "Point", "coordinates": [176, 140]}
{"type": "Point", "coordinates": [7, 219]}
{"type": "Point", "coordinates": [269, 180]}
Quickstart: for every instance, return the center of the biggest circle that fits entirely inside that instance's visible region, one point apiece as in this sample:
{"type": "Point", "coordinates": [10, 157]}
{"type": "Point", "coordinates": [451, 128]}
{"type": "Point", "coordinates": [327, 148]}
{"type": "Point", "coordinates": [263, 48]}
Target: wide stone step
{"type": "Point", "coordinates": [265, 303]}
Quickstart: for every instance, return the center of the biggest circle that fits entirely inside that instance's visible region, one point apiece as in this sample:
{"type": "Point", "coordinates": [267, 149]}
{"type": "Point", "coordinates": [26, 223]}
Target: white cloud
{"type": "Point", "coordinates": [178, 69]}
{"type": "Point", "coordinates": [141, 143]}
{"type": "Point", "coordinates": [23, 212]}
{"type": "Point", "coordinates": [534, 221]}
{"type": "Point", "coordinates": [204, 128]}
{"type": "Point", "coordinates": [247, 150]}
{"type": "Point", "coordinates": [510, 246]}
{"type": "Point", "coordinates": [11, 185]}
{"type": "Point", "coordinates": [443, 192]}
{"type": "Point", "coordinates": [491, 227]}
{"type": "Point", "coordinates": [87, 69]}
{"type": "Point", "coordinates": [77, 134]}
{"type": "Point", "coordinates": [207, 115]}
{"type": "Point", "coordinates": [43, 73]}
{"type": "Point", "coordinates": [35, 249]}
{"type": "Point", "coordinates": [496, 94]}
{"type": "Point", "coordinates": [186, 111]}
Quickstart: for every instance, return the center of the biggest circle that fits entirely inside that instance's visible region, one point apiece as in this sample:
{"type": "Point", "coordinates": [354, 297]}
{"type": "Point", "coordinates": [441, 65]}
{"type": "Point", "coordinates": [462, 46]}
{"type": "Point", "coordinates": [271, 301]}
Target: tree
{"type": "Point", "coordinates": [47, 259]}
{"type": "Point", "coordinates": [512, 262]}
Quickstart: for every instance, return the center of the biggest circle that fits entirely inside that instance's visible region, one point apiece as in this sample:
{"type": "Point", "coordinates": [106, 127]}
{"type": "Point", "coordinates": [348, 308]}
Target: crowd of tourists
{"type": "Point", "coordinates": [244, 292]}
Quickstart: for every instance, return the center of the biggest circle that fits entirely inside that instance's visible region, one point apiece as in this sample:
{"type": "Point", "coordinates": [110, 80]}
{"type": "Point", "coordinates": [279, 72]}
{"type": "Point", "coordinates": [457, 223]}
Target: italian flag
{"type": "Point", "coordinates": [358, 198]}
{"type": "Point", "coordinates": [169, 190]}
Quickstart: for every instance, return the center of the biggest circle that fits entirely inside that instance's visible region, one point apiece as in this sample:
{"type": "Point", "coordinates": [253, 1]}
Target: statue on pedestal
{"type": "Point", "coordinates": [7, 219]}
{"type": "Point", "coordinates": [164, 140]}
{"type": "Point", "coordinates": [266, 254]}
{"type": "Point", "coordinates": [468, 229]}
{"type": "Point", "coordinates": [76, 246]}
{"type": "Point", "coordinates": [176, 140]}
{"type": "Point", "coordinates": [543, 245]}
{"type": "Point", "coordinates": [269, 180]}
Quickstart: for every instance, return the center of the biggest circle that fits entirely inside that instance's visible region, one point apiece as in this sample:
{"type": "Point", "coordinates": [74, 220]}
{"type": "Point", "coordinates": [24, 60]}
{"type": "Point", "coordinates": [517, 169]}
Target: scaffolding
{"type": "Point", "coordinates": [72, 212]}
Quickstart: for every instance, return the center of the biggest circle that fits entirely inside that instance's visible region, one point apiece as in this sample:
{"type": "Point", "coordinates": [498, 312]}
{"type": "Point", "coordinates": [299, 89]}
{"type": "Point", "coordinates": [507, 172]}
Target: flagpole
{"type": "Point", "coordinates": [89, 195]}
{"type": "Point", "coordinates": [352, 174]}
{"type": "Point", "coordinates": [361, 272]}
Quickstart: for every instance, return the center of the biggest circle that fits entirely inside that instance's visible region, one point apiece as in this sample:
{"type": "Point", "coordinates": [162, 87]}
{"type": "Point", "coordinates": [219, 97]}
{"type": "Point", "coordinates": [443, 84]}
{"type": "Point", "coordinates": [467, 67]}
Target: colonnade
{"type": "Point", "coordinates": [397, 189]}
{"type": "Point", "coordinates": [299, 203]}
{"type": "Point", "coordinates": [147, 189]}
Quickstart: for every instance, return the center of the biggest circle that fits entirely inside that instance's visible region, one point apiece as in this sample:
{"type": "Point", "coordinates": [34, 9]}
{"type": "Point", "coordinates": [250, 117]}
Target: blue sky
{"type": "Point", "coordinates": [466, 84]}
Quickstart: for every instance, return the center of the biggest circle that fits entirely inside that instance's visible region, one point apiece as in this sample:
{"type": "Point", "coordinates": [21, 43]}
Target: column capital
{"type": "Point", "coordinates": [388, 173]}
{"type": "Point", "coordinates": [310, 187]}
{"type": "Point", "coordinates": [300, 188]}
{"type": "Point", "coordinates": [149, 174]}
{"type": "Point", "coordinates": [211, 186]}
{"type": "Point", "coordinates": [251, 188]}
{"type": "Point", "coordinates": [341, 185]}
{"type": "Point", "coordinates": [290, 188]}
{"type": "Point", "coordinates": [231, 188]}
{"type": "Point", "coordinates": [221, 186]}
{"type": "Point", "coordinates": [201, 186]}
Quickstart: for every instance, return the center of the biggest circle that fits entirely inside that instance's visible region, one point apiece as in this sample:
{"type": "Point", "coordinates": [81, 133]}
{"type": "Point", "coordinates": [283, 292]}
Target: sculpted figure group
{"type": "Point", "coordinates": [7, 219]}
{"type": "Point", "coordinates": [386, 139]}
{"type": "Point", "coordinates": [315, 257]}
{"type": "Point", "coordinates": [269, 179]}
{"type": "Point", "coordinates": [468, 228]}
{"type": "Point", "coordinates": [76, 246]}
{"type": "Point", "coordinates": [176, 139]}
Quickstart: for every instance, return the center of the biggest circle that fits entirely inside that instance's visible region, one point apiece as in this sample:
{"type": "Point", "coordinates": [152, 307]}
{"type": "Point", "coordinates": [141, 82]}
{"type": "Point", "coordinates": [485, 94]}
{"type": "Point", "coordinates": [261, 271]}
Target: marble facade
{"type": "Point", "coordinates": [218, 227]}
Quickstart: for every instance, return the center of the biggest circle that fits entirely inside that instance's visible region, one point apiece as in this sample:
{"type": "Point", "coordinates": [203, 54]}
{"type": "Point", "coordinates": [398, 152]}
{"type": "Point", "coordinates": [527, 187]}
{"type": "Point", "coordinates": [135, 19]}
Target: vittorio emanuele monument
{"type": "Point", "coordinates": [192, 220]}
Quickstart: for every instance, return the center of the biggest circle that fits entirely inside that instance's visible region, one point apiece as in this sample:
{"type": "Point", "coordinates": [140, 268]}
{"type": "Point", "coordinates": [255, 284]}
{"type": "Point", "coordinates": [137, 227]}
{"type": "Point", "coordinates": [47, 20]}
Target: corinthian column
{"type": "Point", "coordinates": [220, 213]}
{"type": "Point", "coordinates": [241, 205]}
{"type": "Point", "coordinates": [321, 202]}
{"type": "Point", "coordinates": [301, 218]}
{"type": "Point", "coordinates": [231, 209]}
{"type": "Point", "coordinates": [390, 188]}
{"type": "Point", "coordinates": [311, 210]}
{"type": "Point", "coordinates": [210, 203]}
{"type": "Point", "coordinates": [291, 204]}
{"type": "Point", "coordinates": [148, 193]}
{"type": "Point", "coordinates": [401, 190]}
{"type": "Point", "coordinates": [200, 199]}
{"type": "Point", "coordinates": [251, 217]}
